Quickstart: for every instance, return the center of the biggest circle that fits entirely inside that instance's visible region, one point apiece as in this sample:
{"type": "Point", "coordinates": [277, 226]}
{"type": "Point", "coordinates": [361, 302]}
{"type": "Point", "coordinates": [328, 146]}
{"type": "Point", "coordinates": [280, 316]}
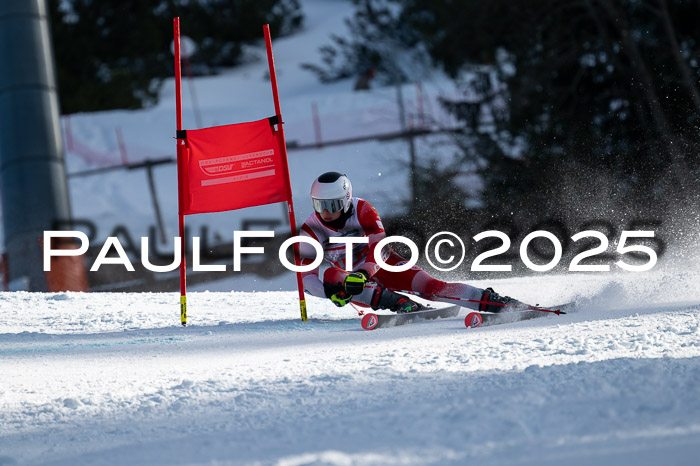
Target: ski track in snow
{"type": "Point", "coordinates": [112, 379]}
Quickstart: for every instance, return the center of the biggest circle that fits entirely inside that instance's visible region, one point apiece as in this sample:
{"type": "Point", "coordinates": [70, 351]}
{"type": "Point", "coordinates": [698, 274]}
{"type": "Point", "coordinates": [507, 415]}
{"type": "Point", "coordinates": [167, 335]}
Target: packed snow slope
{"type": "Point", "coordinates": [112, 379]}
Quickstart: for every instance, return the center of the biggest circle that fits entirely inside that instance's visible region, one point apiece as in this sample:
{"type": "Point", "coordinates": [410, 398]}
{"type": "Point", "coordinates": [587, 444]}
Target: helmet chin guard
{"type": "Point", "coordinates": [332, 191]}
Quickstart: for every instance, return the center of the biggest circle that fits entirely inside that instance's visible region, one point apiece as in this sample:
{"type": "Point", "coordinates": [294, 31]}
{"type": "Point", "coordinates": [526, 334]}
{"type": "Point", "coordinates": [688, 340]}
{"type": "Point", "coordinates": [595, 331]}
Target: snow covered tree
{"type": "Point", "coordinates": [376, 39]}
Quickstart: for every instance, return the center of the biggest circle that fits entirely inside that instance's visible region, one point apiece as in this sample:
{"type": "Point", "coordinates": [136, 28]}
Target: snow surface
{"type": "Point", "coordinates": [103, 378]}
{"type": "Point", "coordinates": [111, 379]}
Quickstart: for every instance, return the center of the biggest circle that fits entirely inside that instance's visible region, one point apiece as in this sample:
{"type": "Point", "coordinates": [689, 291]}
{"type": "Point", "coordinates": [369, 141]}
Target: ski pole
{"type": "Point", "coordinates": [360, 312]}
{"type": "Point", "coordinates": [524, 308]}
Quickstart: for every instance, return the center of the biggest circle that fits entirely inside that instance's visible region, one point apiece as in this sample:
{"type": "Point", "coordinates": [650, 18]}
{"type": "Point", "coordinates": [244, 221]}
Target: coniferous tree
{"type": "Point", "coordinates": [596, 102]}
{"type": "Point", "coordinates": [115, 53]}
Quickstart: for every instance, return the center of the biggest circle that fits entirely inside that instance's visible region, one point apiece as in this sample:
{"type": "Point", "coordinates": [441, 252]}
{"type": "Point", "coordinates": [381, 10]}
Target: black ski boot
{"type": "Point", "coordinates": [498, 303]}
{"type": "Point", "coordinates": [400, 304]}
{"type": "Point", "coordinates": [404, 305]}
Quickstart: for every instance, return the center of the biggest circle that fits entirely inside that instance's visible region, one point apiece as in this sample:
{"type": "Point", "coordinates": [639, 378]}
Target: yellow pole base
{"type": "Point", "coordinates": [302, 305]}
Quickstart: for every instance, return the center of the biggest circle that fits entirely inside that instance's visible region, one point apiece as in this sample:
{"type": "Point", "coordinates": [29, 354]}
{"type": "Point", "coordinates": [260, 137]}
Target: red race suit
{"type": "Point", "coordinates": [362, 220]}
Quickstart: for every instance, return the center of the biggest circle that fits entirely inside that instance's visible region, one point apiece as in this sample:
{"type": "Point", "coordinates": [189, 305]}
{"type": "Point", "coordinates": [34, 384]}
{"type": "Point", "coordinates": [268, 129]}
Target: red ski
{"type": "Point", "coordinates": [484, 319]}
{"type": "Point", "coordinates": [371, 320]}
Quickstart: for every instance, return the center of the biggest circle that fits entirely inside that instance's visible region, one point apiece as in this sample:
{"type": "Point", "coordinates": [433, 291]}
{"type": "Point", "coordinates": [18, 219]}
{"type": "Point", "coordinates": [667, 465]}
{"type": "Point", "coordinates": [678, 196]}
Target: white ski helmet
{"type": "Point", "coordinates": [331, 191]}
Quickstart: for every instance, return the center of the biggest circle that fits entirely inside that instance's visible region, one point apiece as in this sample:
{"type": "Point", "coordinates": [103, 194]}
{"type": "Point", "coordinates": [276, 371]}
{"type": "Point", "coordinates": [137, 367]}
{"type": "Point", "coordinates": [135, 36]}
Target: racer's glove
{"type": "Point", "coordinates": [355, 282]}
{"type": "Point", "coordinates": [341, 298]}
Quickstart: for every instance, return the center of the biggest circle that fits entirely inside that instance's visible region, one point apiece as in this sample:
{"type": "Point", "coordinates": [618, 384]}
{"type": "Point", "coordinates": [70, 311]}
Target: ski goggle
{"type": "Point", "coordinates": [331, 205]}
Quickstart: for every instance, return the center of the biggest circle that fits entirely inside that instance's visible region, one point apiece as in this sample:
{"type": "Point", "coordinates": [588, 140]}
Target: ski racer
{"type": "Point", "coordinates": [338, 214]}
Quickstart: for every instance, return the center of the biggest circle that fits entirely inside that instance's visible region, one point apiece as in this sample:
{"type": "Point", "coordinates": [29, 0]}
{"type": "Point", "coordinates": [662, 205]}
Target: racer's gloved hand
{"type": "Point", "coordinates": [341, 298]}
{"type": "Point", "coordinates": [355, 282]}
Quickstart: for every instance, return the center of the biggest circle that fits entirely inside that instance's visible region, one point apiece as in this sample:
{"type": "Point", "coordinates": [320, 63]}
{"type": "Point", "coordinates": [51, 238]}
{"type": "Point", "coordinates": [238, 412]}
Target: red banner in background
{"type": "Point", "coordinates": [233, 167]}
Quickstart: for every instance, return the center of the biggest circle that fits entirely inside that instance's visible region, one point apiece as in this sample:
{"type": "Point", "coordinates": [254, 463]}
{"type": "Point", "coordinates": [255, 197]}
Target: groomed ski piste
{"type": "Point", "coordinates": [113, 379]}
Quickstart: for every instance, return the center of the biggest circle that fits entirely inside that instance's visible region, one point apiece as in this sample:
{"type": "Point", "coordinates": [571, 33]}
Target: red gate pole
{"type": "Point", "coordinates": [285, 165]}
{"type": "Point", "coordinates": [181, 186]}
